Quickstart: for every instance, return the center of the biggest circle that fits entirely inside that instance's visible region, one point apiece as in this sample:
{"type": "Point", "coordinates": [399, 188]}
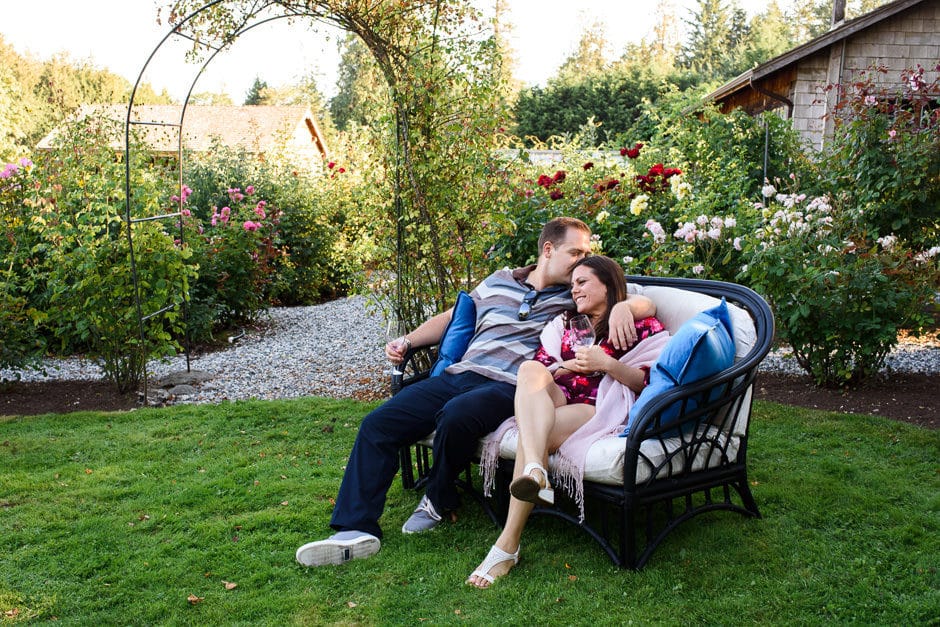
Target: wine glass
{"type": "Point", "coordinates": [394, 329]}
{"type": "Point", "coordinates": [582, 332]}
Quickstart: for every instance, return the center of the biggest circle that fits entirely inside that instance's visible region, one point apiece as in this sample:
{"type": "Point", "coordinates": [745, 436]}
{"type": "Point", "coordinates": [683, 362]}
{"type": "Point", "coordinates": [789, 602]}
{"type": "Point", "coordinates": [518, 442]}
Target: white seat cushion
{"type": "Point", "coordinates": [604, 462]}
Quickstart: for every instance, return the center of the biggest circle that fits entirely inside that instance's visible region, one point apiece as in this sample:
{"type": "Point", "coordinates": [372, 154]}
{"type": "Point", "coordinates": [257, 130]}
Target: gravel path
{"type": "Point", "coordinates": [335, 349]}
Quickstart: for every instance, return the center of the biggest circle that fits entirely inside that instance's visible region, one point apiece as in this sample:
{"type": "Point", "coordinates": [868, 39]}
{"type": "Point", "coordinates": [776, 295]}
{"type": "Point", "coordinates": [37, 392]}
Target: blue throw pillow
{"type": "Point", "coordinates": [457, 335]}
{"type": "Point", "coordinates": [702, 347]}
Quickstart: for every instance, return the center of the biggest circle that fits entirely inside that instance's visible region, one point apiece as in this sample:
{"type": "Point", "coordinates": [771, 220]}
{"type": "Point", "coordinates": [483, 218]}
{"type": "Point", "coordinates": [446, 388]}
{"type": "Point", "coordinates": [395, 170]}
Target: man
{"type": "Point", "coordinates": [467, 401]}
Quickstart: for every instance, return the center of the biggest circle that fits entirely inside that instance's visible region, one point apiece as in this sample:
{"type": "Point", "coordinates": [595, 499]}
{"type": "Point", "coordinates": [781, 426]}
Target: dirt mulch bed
{"type": "Point", "coordinates": [907, 397]}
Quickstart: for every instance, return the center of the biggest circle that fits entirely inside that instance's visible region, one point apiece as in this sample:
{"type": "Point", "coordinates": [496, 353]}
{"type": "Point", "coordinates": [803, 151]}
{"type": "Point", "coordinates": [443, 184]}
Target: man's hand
{"type": "Point", "coordinates": [396, 349]}
{"type": "Point", "coordinates": [621, 326]}
{"type": "Point", "coordinates": [623, 317]}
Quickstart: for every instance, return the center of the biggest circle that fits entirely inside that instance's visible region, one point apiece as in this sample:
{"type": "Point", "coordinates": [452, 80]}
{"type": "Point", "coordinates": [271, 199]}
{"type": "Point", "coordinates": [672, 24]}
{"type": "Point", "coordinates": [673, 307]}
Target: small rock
{"type": "Point", "coordinates": [182, 390]}
{"type": "Point", "coordinates": [183, 378]}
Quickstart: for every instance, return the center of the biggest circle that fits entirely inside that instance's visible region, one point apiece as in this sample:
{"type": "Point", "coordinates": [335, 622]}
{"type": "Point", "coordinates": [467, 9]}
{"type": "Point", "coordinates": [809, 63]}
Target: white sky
{"type": "Point", "coordinates": [120, 35]}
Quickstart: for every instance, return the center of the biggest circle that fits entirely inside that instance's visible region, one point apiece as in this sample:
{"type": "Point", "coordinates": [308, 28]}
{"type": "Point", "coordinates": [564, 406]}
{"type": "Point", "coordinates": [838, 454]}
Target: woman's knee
{"type": "Point", "coordinates": [532, 374]}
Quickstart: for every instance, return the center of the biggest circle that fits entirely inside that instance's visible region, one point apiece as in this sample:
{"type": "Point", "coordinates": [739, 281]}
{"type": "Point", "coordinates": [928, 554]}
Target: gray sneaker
{"type": "Point", "coordinates": [338, 548]}
{"type": "Point", "coordinates": [424, 518]}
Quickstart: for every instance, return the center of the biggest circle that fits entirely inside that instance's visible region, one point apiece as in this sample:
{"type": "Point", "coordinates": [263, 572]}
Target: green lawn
{"type": "Point", "coordinates": [121, 518]}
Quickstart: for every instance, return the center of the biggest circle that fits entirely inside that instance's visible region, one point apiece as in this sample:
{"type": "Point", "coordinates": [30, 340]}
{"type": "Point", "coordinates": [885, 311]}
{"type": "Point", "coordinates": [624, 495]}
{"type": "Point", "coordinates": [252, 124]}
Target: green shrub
{"type": "Point", "coordinates": [840, 295]}
{"type": "Point", "coordinates": [81, 253]}
{"type": "Point", "coordinates": [23, 343]}
{"type": "Point", "coordinates": [884, 158]}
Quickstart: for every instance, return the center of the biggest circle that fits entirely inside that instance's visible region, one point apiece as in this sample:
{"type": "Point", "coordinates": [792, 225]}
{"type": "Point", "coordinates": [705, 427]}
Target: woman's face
{"type": "Point", "coordinates": [588, 292]}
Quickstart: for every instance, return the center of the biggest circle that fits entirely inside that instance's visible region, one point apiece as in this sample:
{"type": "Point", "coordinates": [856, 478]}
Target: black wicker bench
{"type": "Point", "coordinates": [639, 488]}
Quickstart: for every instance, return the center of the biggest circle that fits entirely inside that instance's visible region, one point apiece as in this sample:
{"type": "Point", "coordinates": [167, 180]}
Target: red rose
{"type": "Point", "coordinates": [559, 176]}
{"type": "Point", "coordinates": [545, 180]}
{"type": "Point", "coordinates": [588, 165]}
{"type": "Point", "coordinates": [632, 153]}
{"type": "Point", "coordinates": [556, 194]}
{"type": "Point", "coordinates": [623, 152]}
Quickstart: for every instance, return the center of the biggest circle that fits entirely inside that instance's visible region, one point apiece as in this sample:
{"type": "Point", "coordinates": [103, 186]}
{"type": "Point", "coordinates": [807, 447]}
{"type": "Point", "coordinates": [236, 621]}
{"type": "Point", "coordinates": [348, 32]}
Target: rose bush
{"type": "Point", "coordinates": [839, 294]}
{"type": "Point", "coordinates": [233, 251]}
{"type": "Point", "coordinates": [884, 158]}
{"type": "Point", "coordinates": [20, 320]}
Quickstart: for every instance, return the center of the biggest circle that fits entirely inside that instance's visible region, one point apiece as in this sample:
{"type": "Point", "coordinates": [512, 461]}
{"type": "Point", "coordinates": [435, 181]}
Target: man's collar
{"type": "Point", "coordinates": [522, 275]}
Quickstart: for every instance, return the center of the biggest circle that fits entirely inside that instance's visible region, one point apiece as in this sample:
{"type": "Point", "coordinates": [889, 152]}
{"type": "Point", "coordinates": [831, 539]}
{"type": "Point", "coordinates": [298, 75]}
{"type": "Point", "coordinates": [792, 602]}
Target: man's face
{"type": "Point", "coordinates": [560, 259]}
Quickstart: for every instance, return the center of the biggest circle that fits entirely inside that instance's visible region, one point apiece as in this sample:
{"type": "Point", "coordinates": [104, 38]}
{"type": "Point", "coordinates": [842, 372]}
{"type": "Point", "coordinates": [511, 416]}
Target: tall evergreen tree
{"type": "Point", "coordinates": [589, 59]}
{"type": "Point", "coordinates": [771, 34]}
{"type": "Point", "coordinates": [717, 36]}
{"type": "Point", "coordinates": [255, 95]}
{"type": "Point", "coordinates": [361, 89]}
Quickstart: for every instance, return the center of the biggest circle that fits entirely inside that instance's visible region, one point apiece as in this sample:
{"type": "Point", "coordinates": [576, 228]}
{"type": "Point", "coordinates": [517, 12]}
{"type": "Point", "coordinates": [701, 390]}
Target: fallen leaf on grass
{"type": "Point", "coordinates": [229, 585]}
{"type": "Point", "coordinates": [283, 502]}
{"type": "Point", "coordinates": [88, 471]}
{"type": "Point", "coordinates": [193, 599]}
{"type": "Point", "coordinates": [12, 613]}
{"type": "Point", "coordinates": [351, 604]}
{"type": "Point", "coordinates": [572, 577]}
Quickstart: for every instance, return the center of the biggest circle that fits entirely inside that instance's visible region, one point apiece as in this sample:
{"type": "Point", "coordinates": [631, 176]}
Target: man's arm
{"type": "Point", "coordinates": [429, 332]}
{"type": "Point", "coordinates": [622, 326]}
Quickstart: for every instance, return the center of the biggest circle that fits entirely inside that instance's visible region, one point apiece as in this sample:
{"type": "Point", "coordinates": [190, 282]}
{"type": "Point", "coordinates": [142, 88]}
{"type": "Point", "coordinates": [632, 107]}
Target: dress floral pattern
{"type": "Point", "coordinates": [580, 388]}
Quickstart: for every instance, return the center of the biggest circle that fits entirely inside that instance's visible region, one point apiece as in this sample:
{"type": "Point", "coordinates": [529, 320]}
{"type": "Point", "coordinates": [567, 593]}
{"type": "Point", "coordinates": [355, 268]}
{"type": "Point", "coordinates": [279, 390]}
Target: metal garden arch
{"type": "Point", "coordinates": [257, 17]}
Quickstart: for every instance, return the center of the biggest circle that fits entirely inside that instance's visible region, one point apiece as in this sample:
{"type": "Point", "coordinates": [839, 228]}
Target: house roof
{"type": "Point", "coordinates": [836, 34]}
{"type": "Point", "coordinates": [257, 129]}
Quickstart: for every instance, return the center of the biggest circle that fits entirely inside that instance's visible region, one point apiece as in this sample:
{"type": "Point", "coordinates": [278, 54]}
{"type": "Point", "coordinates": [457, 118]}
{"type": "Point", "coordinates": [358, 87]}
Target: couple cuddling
{"type": "Point", "coordinates": [520, 362]}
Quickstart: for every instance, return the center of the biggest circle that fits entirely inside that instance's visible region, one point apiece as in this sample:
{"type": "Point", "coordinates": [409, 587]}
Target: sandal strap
{"type": "Point", "coordinates": [527, 471]}
{"type": "Point", "coordinates": [494, 557]}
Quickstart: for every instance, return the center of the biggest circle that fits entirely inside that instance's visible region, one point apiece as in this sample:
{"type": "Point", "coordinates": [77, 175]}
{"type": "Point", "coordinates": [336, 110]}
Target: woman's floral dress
{"type": "Point", "coordinates": [580, 388]}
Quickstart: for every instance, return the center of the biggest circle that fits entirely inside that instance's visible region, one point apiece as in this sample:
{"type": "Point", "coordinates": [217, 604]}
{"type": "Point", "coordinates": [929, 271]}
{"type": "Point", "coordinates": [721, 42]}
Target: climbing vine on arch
{"type": "Point", "coordinates": [441, 65]}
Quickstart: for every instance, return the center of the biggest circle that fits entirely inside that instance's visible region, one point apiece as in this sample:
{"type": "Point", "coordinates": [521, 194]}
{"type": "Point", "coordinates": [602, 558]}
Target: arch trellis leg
{"type": "Point", "coordinates": [176, 32]}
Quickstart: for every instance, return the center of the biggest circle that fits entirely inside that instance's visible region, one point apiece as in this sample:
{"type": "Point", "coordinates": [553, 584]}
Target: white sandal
{"type": "Point", "coordinates": [494, 557]}
{"type": "Point", "coordinates": [527, 488]}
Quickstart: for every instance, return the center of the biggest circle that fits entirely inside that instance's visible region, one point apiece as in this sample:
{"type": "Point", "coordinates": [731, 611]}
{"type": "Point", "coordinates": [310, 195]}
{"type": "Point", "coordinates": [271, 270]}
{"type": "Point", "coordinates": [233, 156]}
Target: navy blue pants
{"type": "Point", "coordinates": [461, 408]}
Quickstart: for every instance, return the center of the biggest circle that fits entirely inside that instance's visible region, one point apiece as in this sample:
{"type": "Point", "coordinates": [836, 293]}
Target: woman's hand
{"type": "Point", "coordinates": [591, 359]}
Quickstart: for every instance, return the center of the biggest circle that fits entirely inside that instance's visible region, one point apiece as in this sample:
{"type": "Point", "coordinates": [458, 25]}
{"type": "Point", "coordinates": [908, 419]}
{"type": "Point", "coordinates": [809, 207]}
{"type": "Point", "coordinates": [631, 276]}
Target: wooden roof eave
{"type": "Point", "coordinates": [844, 30]}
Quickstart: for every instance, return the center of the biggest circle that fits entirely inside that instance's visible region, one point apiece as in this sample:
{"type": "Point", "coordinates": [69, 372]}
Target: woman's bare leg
{"type": "Point", "coordinates": [547, 425]}
{"type": "Point", "coordinates": [537, 398]}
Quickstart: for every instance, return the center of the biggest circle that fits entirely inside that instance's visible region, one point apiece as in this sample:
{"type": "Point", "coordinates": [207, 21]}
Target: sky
{"type": "Point", "coordinates": [121, 36]}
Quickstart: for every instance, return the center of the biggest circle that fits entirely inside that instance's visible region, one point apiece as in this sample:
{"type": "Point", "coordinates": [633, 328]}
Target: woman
{"type": "Point", "coordinates": [556, 395]}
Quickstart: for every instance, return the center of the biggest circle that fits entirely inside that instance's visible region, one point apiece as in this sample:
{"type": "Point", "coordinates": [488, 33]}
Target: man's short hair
{"type": "Point", "coordinates": [556, 229]}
